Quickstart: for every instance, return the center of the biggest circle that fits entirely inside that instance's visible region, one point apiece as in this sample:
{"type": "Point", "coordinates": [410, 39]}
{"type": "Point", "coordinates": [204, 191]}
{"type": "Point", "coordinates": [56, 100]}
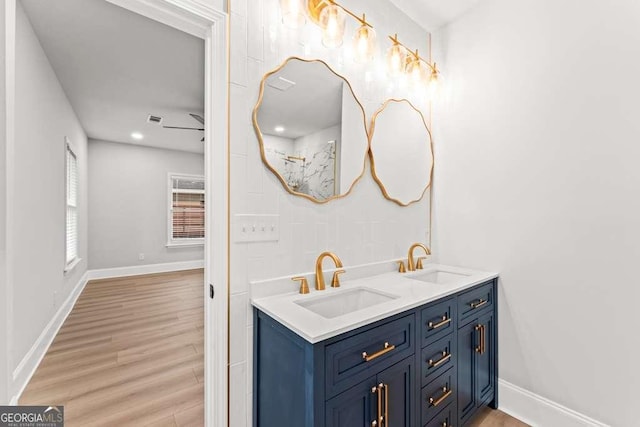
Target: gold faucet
{"type": "Point", "coordinates": [320, 276]}
{"type": "Point", "coordinates": [411, 266]}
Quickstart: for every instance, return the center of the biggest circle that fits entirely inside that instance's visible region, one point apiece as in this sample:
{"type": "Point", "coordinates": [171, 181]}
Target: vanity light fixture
{"type": "Point", "coordinates": [415, 65]}
{"type": "Point", "coordinates": [396, 58]}
{"type": "Point", "coordinates": [364, 42]}
{"type": "Point", "coordinates": [279, 129]}
{"type": "Point", "coordinates": [292, 13]}
{"type": "Point", "coordinates": [329, 15]}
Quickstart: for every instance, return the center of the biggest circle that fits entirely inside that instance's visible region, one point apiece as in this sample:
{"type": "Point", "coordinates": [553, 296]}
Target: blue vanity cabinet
{"type": "Point", "coordinates": [477, 348]}
{"type": "Point", "coordinates": [441, 370]}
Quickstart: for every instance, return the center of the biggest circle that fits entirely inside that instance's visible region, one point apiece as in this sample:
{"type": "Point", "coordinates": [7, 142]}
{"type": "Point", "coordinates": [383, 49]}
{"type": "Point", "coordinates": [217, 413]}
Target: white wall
{"type": "Point", "coordinates": [537, 177]}
{"type": "Point", "coordinates": [36, 213]}
{"type": "Point", "coordinates": [362, 228]}
{"type": "Point", "coordinates": [128, 202]}
{"type": "Point", "coordinates": [4, 377]}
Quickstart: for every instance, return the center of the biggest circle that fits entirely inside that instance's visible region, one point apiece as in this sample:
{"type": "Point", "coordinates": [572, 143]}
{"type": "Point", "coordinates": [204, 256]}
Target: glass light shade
{"type": "Point", "coordinates": [332, 22]}
{"type": "Point", "coordinates": [416, 73]}
{"type": "Point", "coordinates": [364, 44]}
{"type": "Point", "coordinates": [292, 13]}
{"type": "Point", "coordinates": [396, 60]}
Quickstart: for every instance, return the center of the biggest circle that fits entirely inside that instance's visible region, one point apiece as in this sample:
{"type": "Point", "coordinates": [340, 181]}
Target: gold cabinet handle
{"type": "Point", "coordinates": [304, 285]}
{"type": "Point", "coordinates": [446, 393]}
{"type": "Point", "coordinates": [478, 304]}
{"type": "Point", "coordinates": [445, 356]}
{"type": "Point", "coordinates": [386, 405]}
{"type": "Point", "coordinates": [369, 357]}
{"type": "Point", "coordinates": [478, 328]}
{"type": "Point", "coordinates": [335, 282]}
{"type": "Point", "coordinates": [440, 324]}
{"type": "Point", "coordinates": [377, 391]}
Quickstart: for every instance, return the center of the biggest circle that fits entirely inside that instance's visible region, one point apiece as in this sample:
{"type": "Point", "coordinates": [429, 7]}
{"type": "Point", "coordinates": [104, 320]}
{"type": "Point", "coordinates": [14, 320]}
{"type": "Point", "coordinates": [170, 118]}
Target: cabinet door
{"type": "Point", "coordinates": [399, 395]}
{"type": "Point", "coordinates": [485, 370]}
{"type": "Point", "coordinates": [353, 408]}
{"type": "Point", "coordinates": [467, 344]}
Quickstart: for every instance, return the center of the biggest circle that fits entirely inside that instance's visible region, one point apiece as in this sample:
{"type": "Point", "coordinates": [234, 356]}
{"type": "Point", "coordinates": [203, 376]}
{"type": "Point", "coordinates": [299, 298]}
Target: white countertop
{"type": "Point", "coordinates": [407, 293]}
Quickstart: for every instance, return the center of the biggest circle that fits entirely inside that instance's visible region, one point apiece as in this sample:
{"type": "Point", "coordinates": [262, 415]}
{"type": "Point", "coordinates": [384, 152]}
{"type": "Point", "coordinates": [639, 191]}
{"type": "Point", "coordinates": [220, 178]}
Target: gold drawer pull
{"type": "Point", "coordinates": [436, 402]}
{"type": "Point", "coordinates": [478, 304]}
{"type": "Point", "coordinates": [444, 321]}
{"type": "Point", "coordinates": [443, 359]}
{"type": "Point", "coordinates": [387, 348]}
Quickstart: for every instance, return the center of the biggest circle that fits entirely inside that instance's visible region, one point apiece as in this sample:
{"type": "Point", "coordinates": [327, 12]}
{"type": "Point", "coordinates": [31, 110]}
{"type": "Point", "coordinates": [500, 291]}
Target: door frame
{"type": "Point", "coordinates": [211, 25]}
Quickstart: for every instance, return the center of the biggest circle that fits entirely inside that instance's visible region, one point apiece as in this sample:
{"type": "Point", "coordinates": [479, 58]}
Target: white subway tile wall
{"type": "Point", "coordinates": [363, 228]}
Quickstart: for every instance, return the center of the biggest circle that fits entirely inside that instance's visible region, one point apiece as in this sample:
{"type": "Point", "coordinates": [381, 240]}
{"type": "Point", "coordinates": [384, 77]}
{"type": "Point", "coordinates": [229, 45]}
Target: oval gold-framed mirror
{"type": "Point", "coordinates": [312, 129]}
{"type": "Point", "coordinates": [401, 151]}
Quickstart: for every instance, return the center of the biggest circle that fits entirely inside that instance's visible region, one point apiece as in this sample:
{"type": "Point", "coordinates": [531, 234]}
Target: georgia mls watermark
{"type": "Point", "coordinates": [31, 416]}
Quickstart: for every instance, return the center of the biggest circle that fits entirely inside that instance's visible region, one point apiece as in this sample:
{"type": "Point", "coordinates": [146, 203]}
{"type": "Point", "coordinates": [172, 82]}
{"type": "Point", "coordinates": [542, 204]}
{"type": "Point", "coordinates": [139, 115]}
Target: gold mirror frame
{"type": "Point", "coordinates": [256, 126]}
{"type": "Point", "coordinates": [372, 157]}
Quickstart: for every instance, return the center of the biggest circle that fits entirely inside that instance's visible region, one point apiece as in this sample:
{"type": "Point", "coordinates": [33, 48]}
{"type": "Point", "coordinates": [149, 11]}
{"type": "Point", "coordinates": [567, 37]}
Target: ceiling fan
{"type": "Point", "coordinates": [195, 116]}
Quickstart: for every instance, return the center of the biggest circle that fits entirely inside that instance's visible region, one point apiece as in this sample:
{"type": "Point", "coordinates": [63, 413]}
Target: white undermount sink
{"type": "Point", "coordinates": [439, 277]}
{"type": "Point", "coordinates": [340, 303]}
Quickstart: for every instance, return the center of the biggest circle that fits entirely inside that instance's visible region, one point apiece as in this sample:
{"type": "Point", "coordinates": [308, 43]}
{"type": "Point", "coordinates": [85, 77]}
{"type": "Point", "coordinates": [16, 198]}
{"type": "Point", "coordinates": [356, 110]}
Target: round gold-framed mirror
{"type": "Point", "coordinates": [312, 129]}
{"type": "Point", "coordinates": [401, 151]}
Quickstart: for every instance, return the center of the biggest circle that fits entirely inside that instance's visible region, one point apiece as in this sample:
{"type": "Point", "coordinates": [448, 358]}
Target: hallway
{"type": "Point", "coordinates": [130, 353]}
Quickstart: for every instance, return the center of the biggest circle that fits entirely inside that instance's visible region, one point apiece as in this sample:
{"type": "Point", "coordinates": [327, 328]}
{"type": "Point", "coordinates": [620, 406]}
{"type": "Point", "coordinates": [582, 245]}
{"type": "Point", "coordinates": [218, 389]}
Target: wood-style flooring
{"type": "Point", "coordinates": [491, 418]}
{"type": "Point", "coordinates": [131, 353]}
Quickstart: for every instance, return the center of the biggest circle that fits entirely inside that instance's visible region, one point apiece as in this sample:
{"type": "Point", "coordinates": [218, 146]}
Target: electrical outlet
{"type": "Point", "coordinates": [141, 256]}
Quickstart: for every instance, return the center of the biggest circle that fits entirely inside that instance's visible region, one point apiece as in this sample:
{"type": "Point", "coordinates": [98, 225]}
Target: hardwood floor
{"type": "Point", "coordinates": [130, 353]}
{"type": "Point", "coordinates": [491, 418]}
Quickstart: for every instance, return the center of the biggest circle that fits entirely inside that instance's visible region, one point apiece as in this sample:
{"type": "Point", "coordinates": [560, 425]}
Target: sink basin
{"type": "Point", "coordinates": [340, 303]}
{"type": "Point", "coordinates": [439, 277]}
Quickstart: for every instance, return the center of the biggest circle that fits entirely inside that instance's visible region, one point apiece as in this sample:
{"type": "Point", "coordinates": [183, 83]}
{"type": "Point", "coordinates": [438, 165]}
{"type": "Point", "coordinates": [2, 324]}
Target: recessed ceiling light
{"type": "Point", "coordinates": [137, 135]}
{"type": "Point", "coordinates": [279, 129]}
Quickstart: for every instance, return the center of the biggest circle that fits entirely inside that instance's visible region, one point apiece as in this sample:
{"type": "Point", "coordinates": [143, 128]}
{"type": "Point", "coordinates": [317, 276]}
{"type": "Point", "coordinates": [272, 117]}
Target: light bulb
{"type": "Point", "coordinates": [292, 13]}
{"type": "Point", "coordinates": [434, 80]}
{"type": "Point", "coordinates": [396, 60]}
{"type": "Point", "coordinates": [364, 44]}
{"type": "Point", "coordinates": [416, 72]}
{"type": "Point", "coordinates": [332, 22]}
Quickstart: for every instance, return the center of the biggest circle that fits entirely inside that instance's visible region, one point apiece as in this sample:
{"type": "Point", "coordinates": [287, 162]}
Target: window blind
{"type": "Point", "coordinates": [187, 208]}
{"type": "Point", "coordinates": [72, 206]}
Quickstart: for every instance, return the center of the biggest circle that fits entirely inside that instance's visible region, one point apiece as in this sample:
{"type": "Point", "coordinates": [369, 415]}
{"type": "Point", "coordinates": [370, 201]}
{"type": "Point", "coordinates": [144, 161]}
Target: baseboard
{"type": "Point", "coordinates": [27, 366]}
{"type": "Point", "coordinates": [536, 410]}
{"type": "Point", "coordinates": [137, 270]}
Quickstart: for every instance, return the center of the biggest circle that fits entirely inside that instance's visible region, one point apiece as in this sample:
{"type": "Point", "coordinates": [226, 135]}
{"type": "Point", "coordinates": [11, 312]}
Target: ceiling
{"type": "Point", "coordinates": [433, 14]}
{"type": "Point", "coordinates": [312, 104]}
{"type": "Point", "coordinates": [117, 67]}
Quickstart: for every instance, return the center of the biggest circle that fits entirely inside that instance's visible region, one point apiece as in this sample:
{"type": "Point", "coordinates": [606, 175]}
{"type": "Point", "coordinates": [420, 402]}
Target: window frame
{"type": "Point", "coordinates": [69, 264]}
{"type": "Point", "coordinates": [181, 242]}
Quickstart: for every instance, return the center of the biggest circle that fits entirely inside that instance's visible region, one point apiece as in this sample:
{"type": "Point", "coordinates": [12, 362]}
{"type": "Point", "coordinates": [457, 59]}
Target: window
{"type": "Point", "coordinates": [72, 207]}
{"type": "Point", "coordinates": [186, 215]}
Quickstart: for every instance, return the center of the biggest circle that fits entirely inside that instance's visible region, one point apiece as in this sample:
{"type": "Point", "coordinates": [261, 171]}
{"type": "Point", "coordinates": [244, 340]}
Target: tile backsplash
{"type": "Point", "coordinates": [362, 228]}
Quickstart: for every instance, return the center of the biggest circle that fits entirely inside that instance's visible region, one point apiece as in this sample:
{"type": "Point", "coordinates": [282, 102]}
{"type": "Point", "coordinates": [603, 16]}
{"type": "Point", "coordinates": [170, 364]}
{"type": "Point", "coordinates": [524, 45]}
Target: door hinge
{"type": "Point", "coordinates": [212, 292]}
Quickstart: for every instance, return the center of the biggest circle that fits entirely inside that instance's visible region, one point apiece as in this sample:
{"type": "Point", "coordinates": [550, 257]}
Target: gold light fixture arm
{"type": "Point", "coordinates": [413, 53]}
{"type": "Point", "coordinates": [315, 9]}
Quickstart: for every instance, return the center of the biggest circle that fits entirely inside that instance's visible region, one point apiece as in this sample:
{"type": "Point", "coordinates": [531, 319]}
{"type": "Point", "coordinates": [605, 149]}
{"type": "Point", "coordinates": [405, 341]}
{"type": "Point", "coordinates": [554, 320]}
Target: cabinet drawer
{"type": "Point", "coordinates": [445, 418]}
{"type": "Point", "coordinates": [437, 320]}
{"type": "Point", "coordinates": [353, 359]}
{"type": "Point", "coordinates": [476, 300]}
{"type": "Point", "coordinates": [437, 358]}
{"type": "Point", "coordinates": [436, 395]}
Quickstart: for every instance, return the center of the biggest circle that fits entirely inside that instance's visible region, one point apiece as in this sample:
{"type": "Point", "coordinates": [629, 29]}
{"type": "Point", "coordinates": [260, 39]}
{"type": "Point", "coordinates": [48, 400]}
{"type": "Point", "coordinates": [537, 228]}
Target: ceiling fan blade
{"type": "Point", "coordinates": [197, 117]}
{"type": "Point", "coordinates": [178, 127]}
